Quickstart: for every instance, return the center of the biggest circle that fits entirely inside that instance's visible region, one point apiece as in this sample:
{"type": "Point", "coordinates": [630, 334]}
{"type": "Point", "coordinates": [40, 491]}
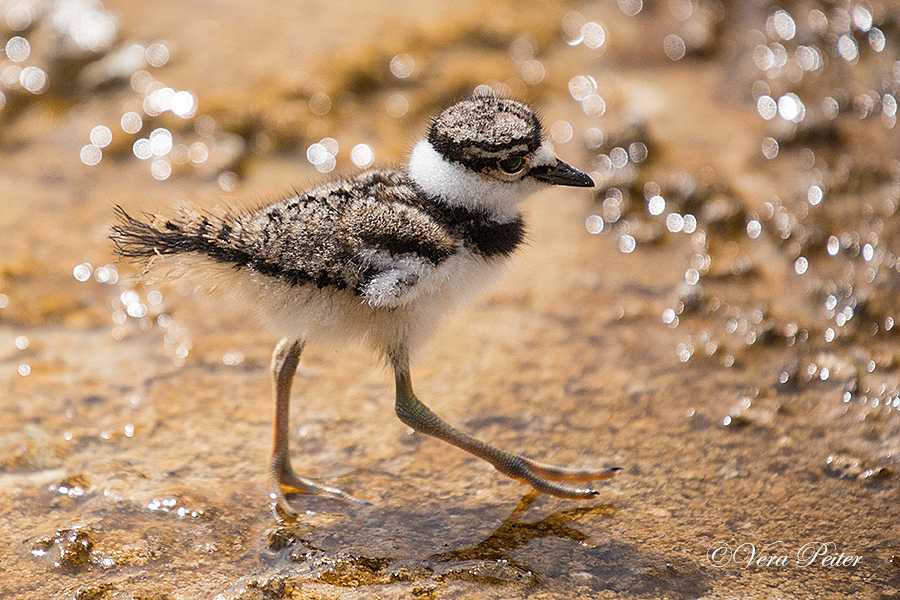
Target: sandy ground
{"type": "Point", "coordinates": [740, 365]}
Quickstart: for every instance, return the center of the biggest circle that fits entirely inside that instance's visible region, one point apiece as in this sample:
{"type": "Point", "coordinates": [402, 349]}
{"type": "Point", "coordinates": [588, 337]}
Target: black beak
{"type": "Point", "coordinates": [562, 174]}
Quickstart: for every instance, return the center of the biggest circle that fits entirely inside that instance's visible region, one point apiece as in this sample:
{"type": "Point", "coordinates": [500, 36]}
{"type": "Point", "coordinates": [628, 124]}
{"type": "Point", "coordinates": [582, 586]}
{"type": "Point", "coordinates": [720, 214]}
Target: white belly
{"type": "Point", "coordinates": [338, 316]}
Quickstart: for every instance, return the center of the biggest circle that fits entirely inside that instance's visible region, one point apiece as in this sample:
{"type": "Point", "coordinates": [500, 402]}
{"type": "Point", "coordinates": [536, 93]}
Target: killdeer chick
{"type": "Point", "coordinates": [379, 256]}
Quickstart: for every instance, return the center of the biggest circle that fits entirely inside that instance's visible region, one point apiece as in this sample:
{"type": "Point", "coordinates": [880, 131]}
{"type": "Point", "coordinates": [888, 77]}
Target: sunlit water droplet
{"type": "Point", "coordinates": [141, 81]}
{"type": "Point", "coordinates": [769, 148]}
{"type": "Point", "coordinates": [19, 16]}
{"type": "Point", "coordinates": [763, 57]}
{"type": "Point", "coordinates": [396, 105]}
{"type": "Point", "coordinates": [618, 157]}
{"type": "Point", "coordinates": [862, 18]}
{"type": "Point", "coordinates": [328, 165]}
{"type": "Point", "coordinates": [594, 224]}
{"type": "Point", "coordinates": [107, 274]}
{"type": "Point", "coordinates": [18, 49]}
{"type": "Point", "coordinates": [34, 80]}
{"type": "Point", "coordinates": [627, 244]}
{"type": "Point", "coordinates": [783, 24]}
{"type": "Point", "coordinates": [674, 222]}
{"type": "Point", "coordinates": [690, 223]}
{"type": "Point", "coordinates": [160, 169]}
{"type": "Point", "coordinates": [402, 66]}
{"type": "Point", "coordinates": [681, 9]}
{"type": "Point", "coordinates": [316, 153]}
{"type": "Point", "coordinates": [320, 104]}
{"type": "Point", "coordinates": [580, 87]}
{"type": "Point", "coordinates": [561, 132]}
{"type": "Point", "coordinates": [158, 101]}
{"type": "Point", "coordinates": [888, 105]}
{"type": "Point", "coordinates": [362, 155]}
{"type": "Point", "coordinates": [157, 54]}
{"type": "Point", "coordinates": [572, 23]}
{"type": "Point", "coordinates": [521, 50]}
{"type": "Point", "coordinates": [83, 271]}
{"type": "Point", "coordinates": [830, 107]}
{"type": "Point", "coordinates": [791, 108]}
{"type": "Point", "coordinates": [198, 152]}
{"type": "Point", "coordinates": [754, 228]}
{"type": "Point", "coordinates": [808, 58]}
{"type": "Point", "coordinates": [594, 138]}
{"type": "Point", "coordinates": [594, 105]}
{"type": "Point", "coordinates": [161, 141]}
{"type": "Point", "coordinates": [131, 122]}
{"type": "Point", "coordinates": [9, 74]}
{"type": "Point", "coordinates": [847, 48]}
{"type": "Point", "coordinates": [637, 152]}
{"type": "Point", "coordinates": [593, 35]}
{"type": "Point", "coordinates": [91, 155]}
{"type": "Point", "coordinates": [227, 181]}
{"type": "Point", "coordinates": [184, 104]}
{"type": "Point", "coordinates": [814, 195]}
{"type": "Point", "coordinates": [533, 72]}
{"type": "Point", "coordinates": [868, 252]}
{"type": "Point", "coordinates": [766, 107]}
{"type": "Point", "coordinates": [101, 136]}
{"type": "Point", "coordinates": [142, 148]}
{"type": "Point", "coordinates": [180, 154]}
{"type": "Point", "coordinates": [631, 7]}
{"type": "Point", "coordinates": [876, 39]}
{"type": "Point", "coordinates": [331, 145]}
{"type": "Point", "coordinates": [674, 47]}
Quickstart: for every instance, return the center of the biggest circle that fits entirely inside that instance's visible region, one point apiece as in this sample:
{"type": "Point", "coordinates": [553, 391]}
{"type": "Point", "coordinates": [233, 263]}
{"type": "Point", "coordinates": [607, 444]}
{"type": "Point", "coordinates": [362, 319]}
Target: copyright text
{"type": "Point", "coordinates": [777, 554]}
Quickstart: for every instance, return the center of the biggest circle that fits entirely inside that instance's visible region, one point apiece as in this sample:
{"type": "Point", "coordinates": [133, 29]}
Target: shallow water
{"type": "Point", "coordinates": [716, 318]}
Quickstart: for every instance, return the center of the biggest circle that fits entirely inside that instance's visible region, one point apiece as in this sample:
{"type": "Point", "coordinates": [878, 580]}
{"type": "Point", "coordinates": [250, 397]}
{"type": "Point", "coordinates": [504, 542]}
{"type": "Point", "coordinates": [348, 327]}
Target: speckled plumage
{"type": "Point", "coordinates": [330, 236]}
{"type": "Point", "coordinates": [477, 131]}
{"type": "Point", "coordinates": [378, 256]}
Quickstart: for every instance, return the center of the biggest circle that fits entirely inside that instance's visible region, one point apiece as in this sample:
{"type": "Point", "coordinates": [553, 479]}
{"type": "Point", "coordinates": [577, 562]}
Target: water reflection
{"type": "Point", "coordinates": [514, 534]}
{"type": "Point", "coordinates": [370, 557]}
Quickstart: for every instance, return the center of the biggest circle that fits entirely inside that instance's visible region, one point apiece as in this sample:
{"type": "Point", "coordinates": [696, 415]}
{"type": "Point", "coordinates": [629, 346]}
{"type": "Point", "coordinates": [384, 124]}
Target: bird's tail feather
{"type": "Point", "coordinates": [191, 233]}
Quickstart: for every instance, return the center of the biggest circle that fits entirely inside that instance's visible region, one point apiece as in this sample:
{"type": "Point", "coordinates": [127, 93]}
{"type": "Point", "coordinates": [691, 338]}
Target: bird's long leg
{"type": "Point", "coordinates": [541, 477]}
{"type": "Point", "coordinates": [285, 360]}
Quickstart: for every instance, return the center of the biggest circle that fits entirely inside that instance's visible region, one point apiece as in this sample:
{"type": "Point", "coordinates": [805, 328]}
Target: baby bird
{"type": "Point", "coordinates": [379, 257]}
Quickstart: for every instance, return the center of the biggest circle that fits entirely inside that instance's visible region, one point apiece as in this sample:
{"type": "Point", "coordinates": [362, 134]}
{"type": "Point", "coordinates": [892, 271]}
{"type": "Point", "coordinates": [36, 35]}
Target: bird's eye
{"type": "Point", "coordinates": [512, 165]}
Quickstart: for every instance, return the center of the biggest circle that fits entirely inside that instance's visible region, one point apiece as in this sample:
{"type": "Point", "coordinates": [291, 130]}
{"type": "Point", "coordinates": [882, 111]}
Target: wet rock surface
{"type": "Point", "coordinates": [717, 317]}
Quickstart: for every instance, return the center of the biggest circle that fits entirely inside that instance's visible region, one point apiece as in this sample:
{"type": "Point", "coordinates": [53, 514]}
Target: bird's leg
{"type": "Point", "coordinates": [285, 360]}
{"type": "Point", "coordinates": [538, 475]}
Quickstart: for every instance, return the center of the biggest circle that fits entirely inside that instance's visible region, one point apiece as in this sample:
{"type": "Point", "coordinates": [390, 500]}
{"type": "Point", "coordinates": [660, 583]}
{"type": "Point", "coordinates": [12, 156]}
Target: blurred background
{"type": "Point", "coordinates": [717, 316]}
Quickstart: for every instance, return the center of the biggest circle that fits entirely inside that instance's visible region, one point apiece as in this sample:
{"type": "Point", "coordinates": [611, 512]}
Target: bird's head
{"type": "Point", "coordinates": [489, 152]}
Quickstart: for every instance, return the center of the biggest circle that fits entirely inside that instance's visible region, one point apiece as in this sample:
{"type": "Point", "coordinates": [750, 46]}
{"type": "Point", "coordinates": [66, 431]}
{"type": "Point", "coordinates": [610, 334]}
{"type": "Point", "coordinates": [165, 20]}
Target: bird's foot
{"type": "Point", "coordinates": [285, 481]}
{"type": "Point", "coordinates": [543, 477]}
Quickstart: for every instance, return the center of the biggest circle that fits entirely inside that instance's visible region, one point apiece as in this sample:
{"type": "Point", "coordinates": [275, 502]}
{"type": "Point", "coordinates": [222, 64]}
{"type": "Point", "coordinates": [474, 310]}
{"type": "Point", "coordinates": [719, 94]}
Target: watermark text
{"type": "Point", "coordinates": [778, 554]}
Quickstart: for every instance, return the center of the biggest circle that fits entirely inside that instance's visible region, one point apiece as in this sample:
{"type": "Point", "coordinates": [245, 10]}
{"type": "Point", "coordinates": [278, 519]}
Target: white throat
{"type": "Point", "coordinates": [457, 186]}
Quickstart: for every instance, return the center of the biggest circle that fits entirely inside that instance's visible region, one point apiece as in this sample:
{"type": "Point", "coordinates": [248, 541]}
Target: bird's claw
{"type": "Point", "coordinates": [543, 477]}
